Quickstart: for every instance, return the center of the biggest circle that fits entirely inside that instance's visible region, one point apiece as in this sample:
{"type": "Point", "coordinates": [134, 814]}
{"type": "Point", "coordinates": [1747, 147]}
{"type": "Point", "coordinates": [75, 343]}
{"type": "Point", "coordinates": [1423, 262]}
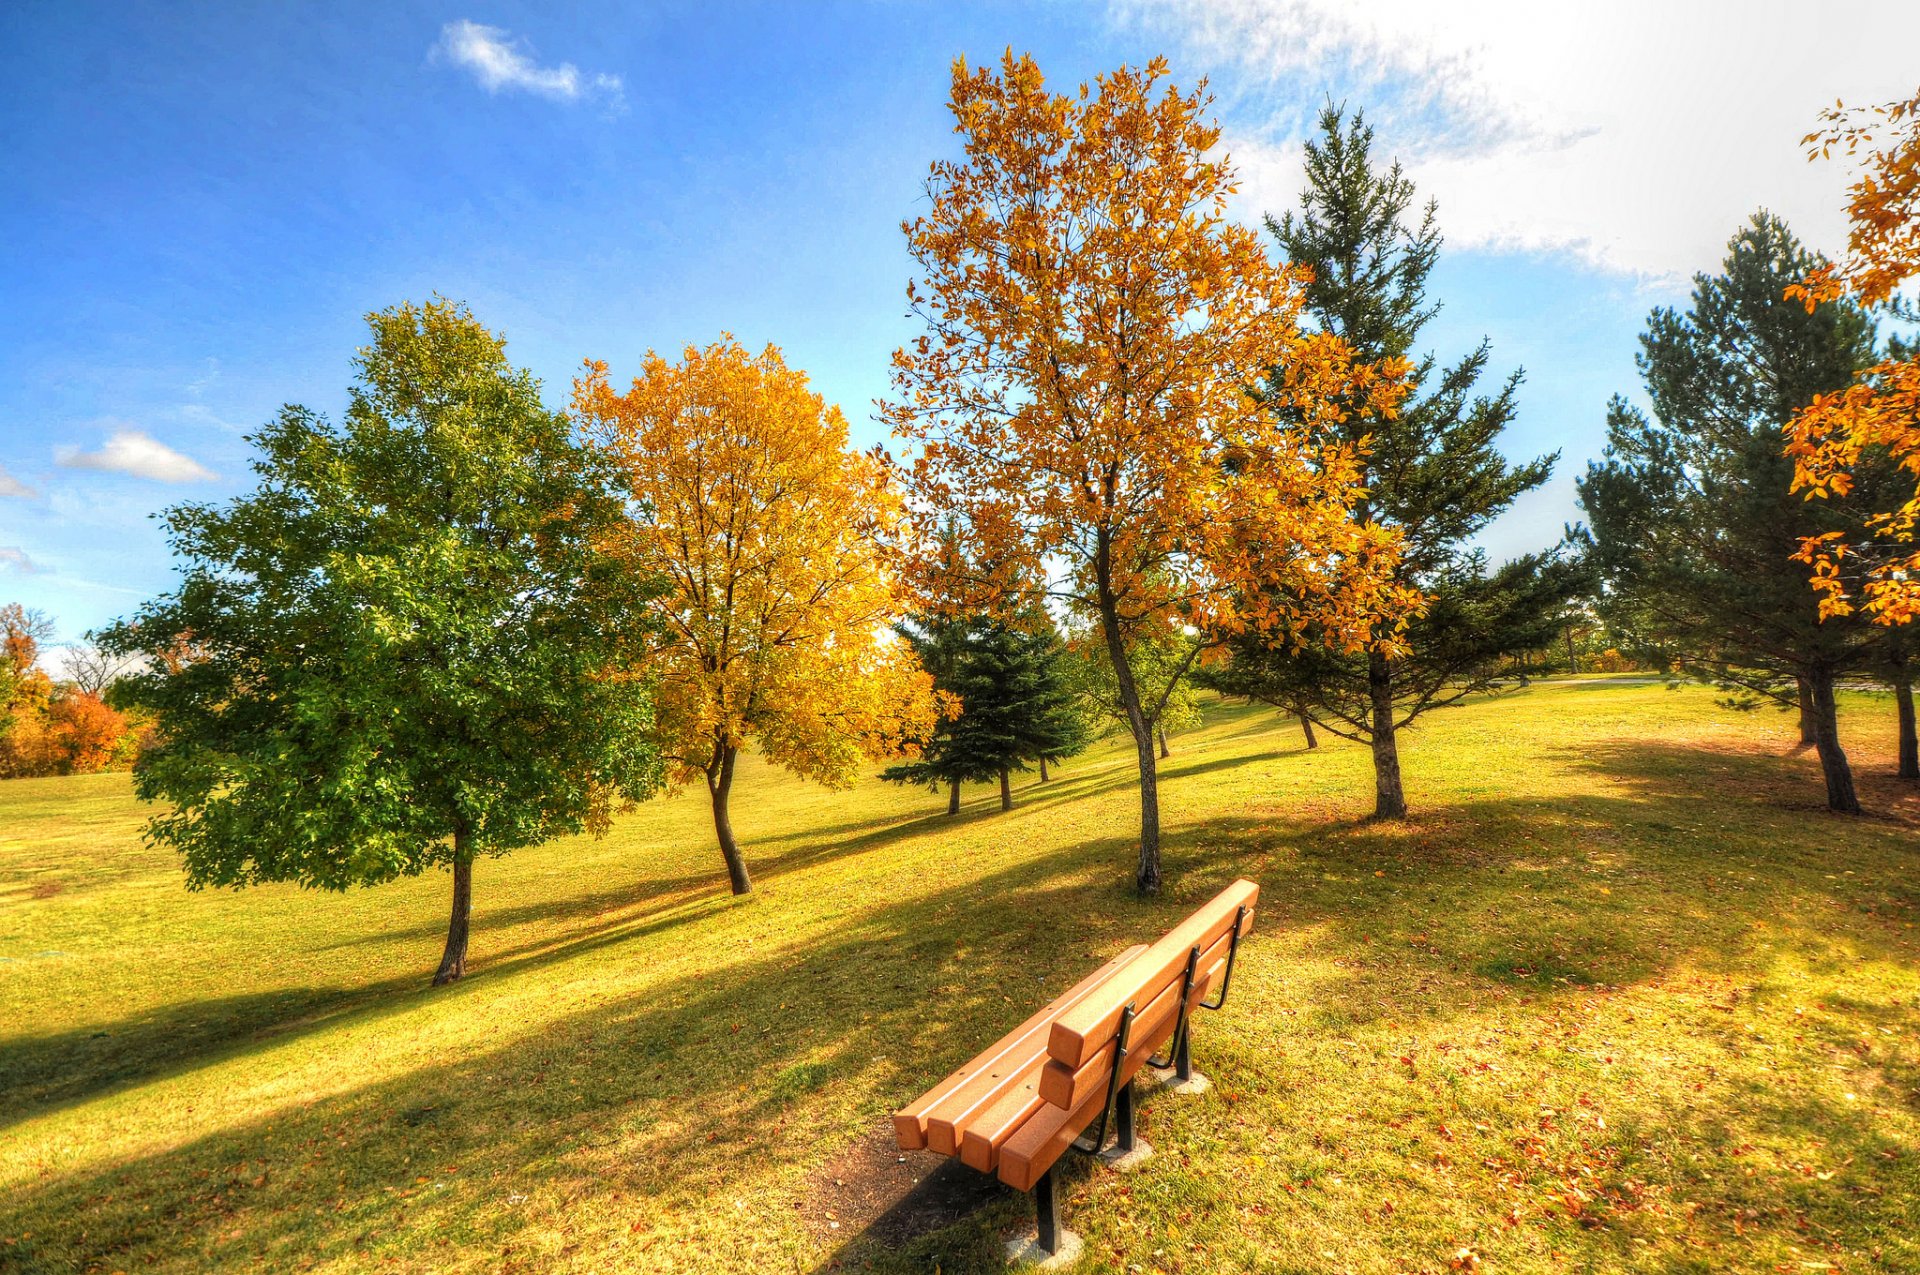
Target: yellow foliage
{"type": "Point", "coordinates": [767, 530]}
{"type": "Point", "coordinates": [1082, 407]}
{"type": "Point", "coordinates": [1880, 412]}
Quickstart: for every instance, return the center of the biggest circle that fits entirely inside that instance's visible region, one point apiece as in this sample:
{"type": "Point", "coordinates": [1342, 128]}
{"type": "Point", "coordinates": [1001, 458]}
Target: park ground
{"type": "Point", "coordinates": [1620, 997]}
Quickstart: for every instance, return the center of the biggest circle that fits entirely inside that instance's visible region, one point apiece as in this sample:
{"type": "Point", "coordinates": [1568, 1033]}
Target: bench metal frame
{"type": "Point", "coordinates": [1118, 1111]}
{"type": "Point", "coordinates": [1180, 1048]}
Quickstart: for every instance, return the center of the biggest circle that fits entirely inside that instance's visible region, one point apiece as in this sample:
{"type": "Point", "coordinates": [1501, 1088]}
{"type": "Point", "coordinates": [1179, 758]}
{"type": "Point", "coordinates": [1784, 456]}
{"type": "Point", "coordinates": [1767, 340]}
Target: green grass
{"type": "Point", "coordinates": [1620, 998]}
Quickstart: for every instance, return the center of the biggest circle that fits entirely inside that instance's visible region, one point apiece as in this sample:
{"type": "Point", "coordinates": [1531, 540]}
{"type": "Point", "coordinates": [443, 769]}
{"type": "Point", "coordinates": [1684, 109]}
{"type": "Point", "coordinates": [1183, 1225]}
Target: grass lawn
{"type": "Point", "coordinates": [1620, 997]}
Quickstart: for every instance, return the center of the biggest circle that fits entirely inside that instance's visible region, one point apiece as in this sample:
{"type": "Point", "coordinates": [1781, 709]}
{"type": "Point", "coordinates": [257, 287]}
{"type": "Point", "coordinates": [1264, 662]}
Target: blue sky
{"type": "Point", "coordinates": [200, 204]}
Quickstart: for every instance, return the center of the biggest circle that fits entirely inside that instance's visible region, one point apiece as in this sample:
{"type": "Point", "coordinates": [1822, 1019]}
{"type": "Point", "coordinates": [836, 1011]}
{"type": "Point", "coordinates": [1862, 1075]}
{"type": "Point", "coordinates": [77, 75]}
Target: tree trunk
{"type": "Point", "coordinates": [953, 797]}
{"type": "Point", "coordinates": [1043, 771]}
{"type": "Point", "coordinates": [1390, 799]}
{"type": "Point", "coordinates": [1165, 752]}
{"type": "Point", "coordinates": [1808, 736]}
{"type": "Point", "coordinates": [1147, 878]}
{"type": "Point", "coordinates": [1006, 790]}
{"type": "Point", "coordinates": [1841, 796]}
{"type": "Point", "coordinates": [1306, 727]}
{"type": "Point", "coordinates": [719, 789]}
{"type": "Point", "coordinates": [1909, 744]}
{"type": "Point", "coordinates": [453, 961]}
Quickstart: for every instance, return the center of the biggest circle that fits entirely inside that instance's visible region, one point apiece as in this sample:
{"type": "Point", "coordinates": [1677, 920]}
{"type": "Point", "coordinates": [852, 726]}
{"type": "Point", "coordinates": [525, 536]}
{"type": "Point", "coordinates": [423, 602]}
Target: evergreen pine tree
{"type": "Point", "coordinates": [1693, 519]}
{"type": "Point", "coordinates": [1017, 702]}
{"type": "Point", "coordinates": [1434, 471]}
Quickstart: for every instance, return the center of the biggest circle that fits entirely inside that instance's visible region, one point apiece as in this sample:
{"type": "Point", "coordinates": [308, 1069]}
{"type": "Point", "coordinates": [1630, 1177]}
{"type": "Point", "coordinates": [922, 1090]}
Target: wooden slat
{"type": "Point", "coordinates": [994, 1070]}
{"type": "Point", "coordinates": [1044, 1138]}
{"type": "Point", "coordinates": [1015, 1063]}
{"type": "Point", "coordinates": [1086, 1028]}
{"type": "Point", "coordinates": [1068, 1087]}
{"type": "Point", "coordinates": [1049, 1129]}
{"type": "Point", "coordinates": [990, 1128]}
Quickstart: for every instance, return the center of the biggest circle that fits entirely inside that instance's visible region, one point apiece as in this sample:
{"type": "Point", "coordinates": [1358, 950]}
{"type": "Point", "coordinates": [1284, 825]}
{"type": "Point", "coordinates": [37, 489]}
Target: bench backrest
{"type": "Point", "coordinates": [994, 1071]}
{"type": "Point", "coordinates": [1084, 1032]}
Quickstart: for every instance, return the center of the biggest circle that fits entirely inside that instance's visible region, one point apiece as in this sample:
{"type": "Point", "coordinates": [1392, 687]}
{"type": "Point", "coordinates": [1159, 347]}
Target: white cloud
{"type": "Point", "coordinates": [130, 451]}
{"type": "Point", "coordinates": [499, 61]}
{"type": "Point", "coordinates": [16, 558]}
{"type": "Point", "coordinates": [1634, 136]}
{"type": "Point", "coordinates": [12, 488]}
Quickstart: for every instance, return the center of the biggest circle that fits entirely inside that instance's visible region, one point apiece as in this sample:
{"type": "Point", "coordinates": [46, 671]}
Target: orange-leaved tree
{"type": "Point", "coordinates": [768, 531]}
{"type": "Point", "coordinates": [1080, 407]}
{"type": "Point", "coordinates": [1876, 420]}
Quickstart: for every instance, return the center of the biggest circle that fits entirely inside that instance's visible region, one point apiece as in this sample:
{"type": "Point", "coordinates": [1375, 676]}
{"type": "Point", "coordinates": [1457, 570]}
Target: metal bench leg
{"type": "Point", "coordinates": [1124, 1113]}
{"type": "Point", "coordinates": [1052, 1247]}
{"type": "Point", "coordinates": [1046, 1208]}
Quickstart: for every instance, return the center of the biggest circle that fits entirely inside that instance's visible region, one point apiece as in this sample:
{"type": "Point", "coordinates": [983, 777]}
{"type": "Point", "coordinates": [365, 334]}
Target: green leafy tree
{"type": "Point", "coordinates": [1433, 470]}
{"type": "Point", "coordinates": [396, 652]}
{"type": "Point", "coordinates": [1692, 514]}
{"type": "Point", "coordinates": [1163, 661]}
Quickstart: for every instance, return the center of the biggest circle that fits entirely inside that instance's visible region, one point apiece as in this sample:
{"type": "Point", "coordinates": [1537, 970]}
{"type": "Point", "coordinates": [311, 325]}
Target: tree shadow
{"type": "Point", "coordinates": [696, 1081]}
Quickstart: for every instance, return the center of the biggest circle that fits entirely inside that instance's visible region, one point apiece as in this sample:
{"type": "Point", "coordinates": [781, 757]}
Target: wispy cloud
{"type": "Point", "coordinates": [499, 61]}
{"type": "Point", "coordinates": [1633, 137]}
{"type": "Point", "coordinates": [131, 451]}
{"type": "Point", "coordinates": [12, 488]}
{"type": "Point", "coordinates": [15, 558]}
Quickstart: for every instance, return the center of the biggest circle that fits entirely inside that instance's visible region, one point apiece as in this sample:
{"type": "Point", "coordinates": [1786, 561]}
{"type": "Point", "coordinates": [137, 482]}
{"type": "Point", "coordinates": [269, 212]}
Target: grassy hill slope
{"type": "Point", "coordinates": [1620, 997]}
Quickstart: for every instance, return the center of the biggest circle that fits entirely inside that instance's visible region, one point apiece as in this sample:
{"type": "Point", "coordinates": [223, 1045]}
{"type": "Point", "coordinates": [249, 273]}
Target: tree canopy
{"type": "Point", "coordinates": [1013, 681]}
{"type": "Point", "coordinates": [1694, 522]}
{"type": "Point", "coordinates": [768, 532]}
{"type": "Point", "coordinates": [1432, 469]}
{"type": "Point", "coordinates": [1873, 423]}
{"type": "Point", "coordinates": [404, 648]}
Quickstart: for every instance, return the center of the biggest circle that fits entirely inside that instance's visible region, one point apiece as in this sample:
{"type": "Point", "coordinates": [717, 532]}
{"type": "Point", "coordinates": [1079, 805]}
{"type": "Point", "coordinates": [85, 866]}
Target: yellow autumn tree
{"type": "Point", "coordinates": [767, 530]}
{"type": "Point", "coordinates": [1081, 408]}
{"type": "Point", "coordinates": [1876, 420]}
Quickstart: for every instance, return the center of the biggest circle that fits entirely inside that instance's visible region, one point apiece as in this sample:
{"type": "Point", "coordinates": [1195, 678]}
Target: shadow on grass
{"type": "Point", "coordinates": [680, 1079]}
{"type": "Point", "coordinates": [39, 1073]}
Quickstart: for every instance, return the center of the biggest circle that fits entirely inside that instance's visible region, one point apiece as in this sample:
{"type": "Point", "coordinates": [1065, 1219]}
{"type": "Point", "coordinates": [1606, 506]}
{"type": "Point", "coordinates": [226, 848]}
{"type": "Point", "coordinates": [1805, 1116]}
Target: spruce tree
{"type": "Point", "coordinates": [1434, 470]}
{"type": "Point", "coordinates": [1017, 702]}
{"type": "Point", "coordinates": [1693, 520]}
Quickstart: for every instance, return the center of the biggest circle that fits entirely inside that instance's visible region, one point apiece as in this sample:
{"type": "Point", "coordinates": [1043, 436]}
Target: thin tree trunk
{"type": "Point", "coordinates": [1147, 878]}
{"type": "Point", "coordinates": [1841, 796]}
{"type": "Point", "coordinates": [1006, 790]}
{"type": "Point", "coordinates": [453, 961]}
{"type": "Point", "coordinates": [1306, 727]}
{"type": "Point", "coordinates": [1390, 799]}
{"type": "Point", "coordinates": [1043, 771]}
{"type": "Point", "coordinates": [1909, 744]}
{"type": "Point", "coordinates": [953, 797]}
{"type": "Point", "coordinates": [1165, 752]}
{"type": "Point", "coordinates": [1808, 736]}
{"type": "Point", "coordinates": [720, 789]}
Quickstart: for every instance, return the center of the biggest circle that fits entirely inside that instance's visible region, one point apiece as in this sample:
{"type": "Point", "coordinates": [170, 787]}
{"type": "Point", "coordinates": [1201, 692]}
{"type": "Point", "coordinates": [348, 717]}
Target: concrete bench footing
{"type": "Point", "coordinates": [1026, 1254]}
{"type": "Point", "coordinates": [1169, 1079]}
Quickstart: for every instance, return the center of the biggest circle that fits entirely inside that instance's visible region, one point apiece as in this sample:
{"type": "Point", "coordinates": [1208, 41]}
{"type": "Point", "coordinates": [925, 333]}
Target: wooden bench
{"type": "Point", "coordinates": [1015, 1109]}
